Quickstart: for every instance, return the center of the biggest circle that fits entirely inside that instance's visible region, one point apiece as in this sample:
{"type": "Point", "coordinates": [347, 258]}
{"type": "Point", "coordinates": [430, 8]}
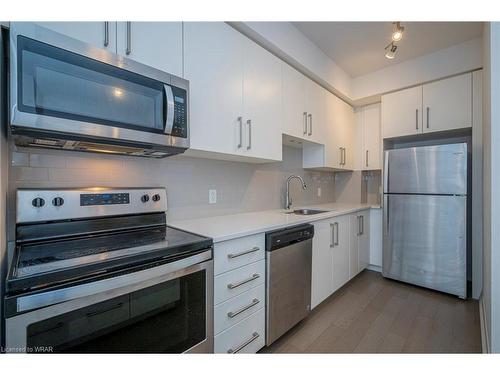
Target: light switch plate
{"type": "Point", "coordinates": [319, 192]}
{"type": "Point", "coordinates": [212, 196]}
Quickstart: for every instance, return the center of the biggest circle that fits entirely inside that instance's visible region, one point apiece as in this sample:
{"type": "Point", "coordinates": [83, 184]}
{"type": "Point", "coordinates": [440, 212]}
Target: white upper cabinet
{"type": "Point", "coordinates": [437, 106]}
{"type": "Point", "coordinates": [304, 106]}
{"type": "Point", "coordinates": [316, 111]}
{"type": "Point", "coordinates": [447, 104]}
{"type": "Point", "coordinates": [99, 34]}
{"type": "Point", "coordinates": [235, 94]}
{"type": "Point", "coordinates": [294, 102]}
{"type": "Point", "coordinates": [402, 113]}
{"type": "Point", "coordinates": [215, 74]}
{"type": "Point", "coordinates": [340, 149]}
{"type": "Point", "coordinates": [157, 44]}
{"type": "Point", "coordinates": [262, 102]}
{"type": "Point", "coordinates": [371, 142]}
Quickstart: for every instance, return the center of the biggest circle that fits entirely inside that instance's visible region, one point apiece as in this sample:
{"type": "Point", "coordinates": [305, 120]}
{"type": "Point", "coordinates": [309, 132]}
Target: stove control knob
{"type": "Point", "coordinates": [156, 197]}
{"type": "Point", "coordinates": [38, 202]}
{"type": "Point", "coordinates": [58, 201]}
{"type": "Point", "coordinates": [145, 198]}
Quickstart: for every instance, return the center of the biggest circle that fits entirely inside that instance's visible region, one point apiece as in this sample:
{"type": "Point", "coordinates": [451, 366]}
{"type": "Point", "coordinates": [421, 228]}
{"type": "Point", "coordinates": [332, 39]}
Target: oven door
{"type": "Point", "coordinates": [164, 309]}
{"type": "Point", "coordinates": [63, 86]}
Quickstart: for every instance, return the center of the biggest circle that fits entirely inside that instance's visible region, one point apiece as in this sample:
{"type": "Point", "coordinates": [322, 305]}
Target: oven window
{"type": "Point", "coordinates": [62, 84]}
{"type": "Point", "coordinates": [165, 318]}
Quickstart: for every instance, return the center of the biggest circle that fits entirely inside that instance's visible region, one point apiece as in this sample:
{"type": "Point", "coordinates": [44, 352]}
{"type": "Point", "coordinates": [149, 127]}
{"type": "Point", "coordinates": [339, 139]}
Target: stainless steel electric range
{"type": "Point", "coordinates": [98, 270]}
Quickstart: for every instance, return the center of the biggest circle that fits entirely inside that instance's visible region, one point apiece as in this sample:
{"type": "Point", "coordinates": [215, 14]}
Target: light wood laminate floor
{"type": "Point", "coordinates": [372, 314]}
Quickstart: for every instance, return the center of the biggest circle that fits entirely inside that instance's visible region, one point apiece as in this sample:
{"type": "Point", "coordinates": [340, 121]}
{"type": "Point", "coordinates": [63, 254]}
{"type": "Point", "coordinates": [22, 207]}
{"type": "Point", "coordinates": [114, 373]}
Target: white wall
{"type": "Point", "coordinates": [446, 62]}
{"type": "Point", "coordinates": [491, 185]}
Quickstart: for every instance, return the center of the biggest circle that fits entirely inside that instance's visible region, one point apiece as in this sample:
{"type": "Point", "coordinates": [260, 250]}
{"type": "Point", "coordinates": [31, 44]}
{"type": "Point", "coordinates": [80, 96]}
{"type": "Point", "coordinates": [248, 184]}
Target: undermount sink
{"type": "Point", "coordinates": [306, 211]}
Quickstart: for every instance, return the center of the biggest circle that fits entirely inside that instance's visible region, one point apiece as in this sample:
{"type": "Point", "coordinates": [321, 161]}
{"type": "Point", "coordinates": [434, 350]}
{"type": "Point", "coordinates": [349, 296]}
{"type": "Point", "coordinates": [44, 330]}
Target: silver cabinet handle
{"type": "Point", "coordinates": [344, 155]}
{"type": "Point", "coordinates": [359, 225]}
{"type": "Point", "coordinates": [106, 33]}
{"type": "Point", "coordinates": [249, 123]}
{"type": "Point", "coordinates": [366, 158]}
{"type": "Point", "coordinates": [240, 121]}
{"type": "Point", "coordinates": [129, 38]}
{"type": "Point", "coordinates": [341, 155]}
{"type": "Point", "coordinates": [336, 243]}
{"type": "Point", "coordinates": [232, 314]}
{"type": "Point", "coordinates": [254, 337]}
{"type": "Point", "coordinates": [305, 123]}
{"type": "Point", "coordinates": [242, 282]}
{"type": "Point", "coordinates": [416, 119]}
{"type": "Point", "coordinates": [332, 235]}
{"type": "Point", "coordinates": [249, 251]}
{"type": "Point", "coordinates": [310, 124]}
{"type": "Point", "coordinates": [427, 117]}
{"type": "Point", "coordinates": [362, 219]}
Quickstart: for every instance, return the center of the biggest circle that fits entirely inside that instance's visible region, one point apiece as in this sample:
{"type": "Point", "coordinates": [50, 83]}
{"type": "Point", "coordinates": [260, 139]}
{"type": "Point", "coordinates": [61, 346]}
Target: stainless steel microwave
{"type": "Point", "coordinates": [66, 94]}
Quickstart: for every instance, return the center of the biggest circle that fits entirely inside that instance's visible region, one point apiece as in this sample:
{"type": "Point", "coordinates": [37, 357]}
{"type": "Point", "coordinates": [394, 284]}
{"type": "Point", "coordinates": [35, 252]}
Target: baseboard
{"type": "Point", "coordinates": [372, 267]}
{"type": "Point", "coordinates": [484, 332]}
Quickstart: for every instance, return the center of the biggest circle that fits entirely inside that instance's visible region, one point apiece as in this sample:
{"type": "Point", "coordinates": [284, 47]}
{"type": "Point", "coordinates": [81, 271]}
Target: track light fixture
{"type": "Point", "coordinates": [397, 33]}
{"type": "Point", "coordinates": [391, 51]}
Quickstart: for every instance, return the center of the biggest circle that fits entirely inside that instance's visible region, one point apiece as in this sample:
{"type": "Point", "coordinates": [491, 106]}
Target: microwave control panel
{"type": "Point", "coordinates": [179, 128]}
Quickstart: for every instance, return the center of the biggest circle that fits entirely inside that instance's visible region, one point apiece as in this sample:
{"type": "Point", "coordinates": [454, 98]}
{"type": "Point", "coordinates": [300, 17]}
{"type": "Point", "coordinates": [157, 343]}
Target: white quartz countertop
{"type": "Point", "coordinates": [226, 227]}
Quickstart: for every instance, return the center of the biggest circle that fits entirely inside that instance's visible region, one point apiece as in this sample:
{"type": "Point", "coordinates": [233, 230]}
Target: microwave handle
{"type": "Point", "coordinates": [169, 121]}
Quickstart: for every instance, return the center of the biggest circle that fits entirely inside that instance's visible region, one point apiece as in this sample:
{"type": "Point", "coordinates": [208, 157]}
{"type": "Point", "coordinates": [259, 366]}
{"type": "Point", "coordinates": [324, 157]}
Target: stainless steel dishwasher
{"type": "Point", "coordinates": [288, 278]}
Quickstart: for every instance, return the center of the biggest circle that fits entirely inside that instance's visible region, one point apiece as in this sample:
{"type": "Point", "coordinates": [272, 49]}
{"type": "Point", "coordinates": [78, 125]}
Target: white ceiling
{"type": "Point", "coordinates": [358, 47]}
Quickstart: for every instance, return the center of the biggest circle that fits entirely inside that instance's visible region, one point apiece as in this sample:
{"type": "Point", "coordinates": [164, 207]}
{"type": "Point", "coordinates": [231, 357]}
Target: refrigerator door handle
{"type": "Point", "coordinates": [386, 214]}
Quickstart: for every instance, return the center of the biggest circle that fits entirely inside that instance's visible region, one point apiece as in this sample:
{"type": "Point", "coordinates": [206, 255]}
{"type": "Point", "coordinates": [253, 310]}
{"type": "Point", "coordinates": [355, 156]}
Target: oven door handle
{"type": "Point", "coordinates": [170, 105]}
{"type": "Point", "coordinates": [130, 281]}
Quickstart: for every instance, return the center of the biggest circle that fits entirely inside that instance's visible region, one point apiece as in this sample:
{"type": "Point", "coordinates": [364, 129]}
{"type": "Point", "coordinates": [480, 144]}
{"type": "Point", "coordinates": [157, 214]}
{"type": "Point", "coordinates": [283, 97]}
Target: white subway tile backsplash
{"type": "Point", "coordinates": [20, 159]}
{"type": "Point", "coordinates": [240, 186]}
{"type": "Point", "coordinates": [30, 174]}
{"type": "Point", "coordinates": [47, 160]}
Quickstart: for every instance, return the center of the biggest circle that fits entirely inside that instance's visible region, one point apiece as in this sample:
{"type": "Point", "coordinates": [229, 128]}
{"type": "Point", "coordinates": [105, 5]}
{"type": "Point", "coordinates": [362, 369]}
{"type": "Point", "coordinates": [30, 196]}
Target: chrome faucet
{"type": "Point", "coordinates": [288, 202]}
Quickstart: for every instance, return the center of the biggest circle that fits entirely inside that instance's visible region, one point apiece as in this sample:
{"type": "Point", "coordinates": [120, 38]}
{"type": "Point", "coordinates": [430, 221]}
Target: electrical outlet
{"type": "Point", "coordinates": [319, 192]}
{"type": "Point", "coordinates": [212, 196]}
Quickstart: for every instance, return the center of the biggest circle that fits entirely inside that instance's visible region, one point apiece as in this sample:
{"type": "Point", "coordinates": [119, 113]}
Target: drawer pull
{"type": "Point", "coordinates": [240, 283]}
{"type": "Point", "coordinates": [254, 337]}
{"type": "Point", "coordinates": [249, 251]}
{"type": "Point", "coordinates": [232, 314]}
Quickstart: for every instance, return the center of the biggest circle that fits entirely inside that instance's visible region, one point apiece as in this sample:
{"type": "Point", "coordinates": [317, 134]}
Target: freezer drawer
{"type": "Point", "coordinates": [425, 241]}
{"type": "Point", "coordinates": [427, 170]}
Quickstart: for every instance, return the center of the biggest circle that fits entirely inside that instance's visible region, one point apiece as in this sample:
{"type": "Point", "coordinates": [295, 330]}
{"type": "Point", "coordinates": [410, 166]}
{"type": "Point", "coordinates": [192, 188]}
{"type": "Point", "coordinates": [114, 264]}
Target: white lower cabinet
{"type": "Point", "coordinates": [239, 308]}
{"type": "Point", "coordinates": [248, 336]}
{"type": "Point", "coordinates": [333, 260]}
{"type": "Point", "coordinates": [239, 295]}
{"type": "Point", "coordinates": [359, 245]}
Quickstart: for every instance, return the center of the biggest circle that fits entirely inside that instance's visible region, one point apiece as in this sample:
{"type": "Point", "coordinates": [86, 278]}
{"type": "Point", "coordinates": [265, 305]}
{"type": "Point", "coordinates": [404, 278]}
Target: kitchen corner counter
{"type": "Point", "coordinates": [226, 227]}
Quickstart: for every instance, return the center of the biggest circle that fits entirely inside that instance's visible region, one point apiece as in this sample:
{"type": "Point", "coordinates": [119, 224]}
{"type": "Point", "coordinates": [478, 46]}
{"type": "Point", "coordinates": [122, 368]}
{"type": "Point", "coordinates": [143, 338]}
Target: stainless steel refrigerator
{"type": "Point", "coordinates": [425, 217]}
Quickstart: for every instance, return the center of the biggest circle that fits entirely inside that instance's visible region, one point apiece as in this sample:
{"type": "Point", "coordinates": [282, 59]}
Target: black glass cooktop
{"type": "Point", "coordinates": [45, 263]}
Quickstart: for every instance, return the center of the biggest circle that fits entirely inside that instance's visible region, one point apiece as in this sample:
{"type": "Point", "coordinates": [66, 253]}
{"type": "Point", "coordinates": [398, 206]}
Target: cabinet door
{"type": "Point", "coordinates": [340, 251]}
{"type": "Point", "coordinates": [371, 157]}
{"type": "Point", "coordinates": [333, 139]}
{"type": "Point", "coordinates": [262, 102]}
{"type": "Point", "coordinates": [322, 282]}
{"type": "Point", "coordinates": [402, 113]}
{"type": "Point", "coordinates": [354, 228]}
{"type": "Point", "coordinates": [316, 111]}
{"type": "Point", "coordinates": [363, 240]}
{"type": "Point", "coordinates": [448, 104]}
{"type": "Point", "coordinates": [215, 74]}
{"type": "Point", "coordinates": [157, 44]}
{"type": "Point", "coordinates": [99, 34]}
{"type": "Point", "coordinates": [348, 136]}
{"type": "Point", "coordinates": [294, 102]}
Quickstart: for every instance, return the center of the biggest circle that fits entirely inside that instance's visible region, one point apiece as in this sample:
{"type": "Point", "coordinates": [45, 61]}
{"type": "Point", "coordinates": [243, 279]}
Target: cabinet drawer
{"type": "Point", "coordinates": [239, 252]}
{"type": "Point", "coordinates": [235, 282]}
{"type": "Point", "coordinates": [238, 308]}
{"type": "Point", "coordinates": [248, 336]}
